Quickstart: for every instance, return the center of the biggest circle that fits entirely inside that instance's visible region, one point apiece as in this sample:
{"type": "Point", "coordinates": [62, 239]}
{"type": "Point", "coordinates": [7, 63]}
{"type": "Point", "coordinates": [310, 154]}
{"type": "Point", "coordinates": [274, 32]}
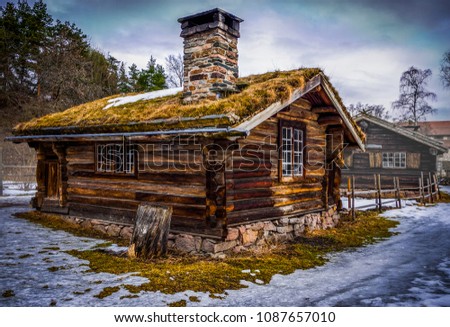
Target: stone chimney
{"type": "Point", "coordinates": [210, 54]}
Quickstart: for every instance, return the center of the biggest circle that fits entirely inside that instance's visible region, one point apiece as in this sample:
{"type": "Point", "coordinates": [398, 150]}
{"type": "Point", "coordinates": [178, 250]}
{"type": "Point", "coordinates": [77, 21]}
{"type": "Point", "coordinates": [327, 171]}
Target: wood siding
{"type": "Point", "coordinates": [364, 165]}
{"type": "Point", "coordinates": [168, 174]}
{"type": "Point", "coordinates": [207, 190]}
{"type": "Point", "coordinates": [255, 190]}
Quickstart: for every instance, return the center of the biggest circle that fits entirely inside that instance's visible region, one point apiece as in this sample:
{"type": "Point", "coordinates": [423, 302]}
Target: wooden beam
{"type": "Point", "coordinates": [276, 107]}
{"type": "Point", "coordinates": [330, 120]}
{"type": "Point", "coordinates": [326, 109]}
{"type": "Point", "coordinates": [302, 104]}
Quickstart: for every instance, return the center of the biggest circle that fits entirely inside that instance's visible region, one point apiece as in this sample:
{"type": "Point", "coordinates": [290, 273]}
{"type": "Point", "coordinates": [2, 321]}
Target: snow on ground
{"type": "Point", "coordinates": [409, 269]}
{"type": "Point", "coordinates": [139, 97]}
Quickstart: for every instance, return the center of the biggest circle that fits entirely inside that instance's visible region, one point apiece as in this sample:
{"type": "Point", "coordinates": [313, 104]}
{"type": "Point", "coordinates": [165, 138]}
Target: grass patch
{"type": "Point", "coordinates": [444, 197]}
{"type": "Point", "coordinates": [179, 273]}
{"type": "Point", "coordinates": [107, 291]}
{"type": "Point", "coordinates": [257, 93]}
{"type": "Point", "coordinates": [58, 223]}
{"type": "Point", "coordinates": [52, 248]}
{"type": "Point", "coordinates": [104, 245]}
{"type": "Point", "coordinates": [134, 296]}
{"type": "Point", "coordinates": [194, 299]}
{"type": "Point", "coordinates": [8, 293]}
{"type": "Point", "coordinates": [54, 268]}
{"type": "Point", "coordinates": [181, 303]}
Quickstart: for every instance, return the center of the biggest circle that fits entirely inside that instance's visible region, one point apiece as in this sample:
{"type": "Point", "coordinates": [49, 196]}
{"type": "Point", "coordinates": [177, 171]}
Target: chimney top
{"type": "Point", "coordinates": [210, 55]}
{"type": "Point", "coordinates": [210, 19]}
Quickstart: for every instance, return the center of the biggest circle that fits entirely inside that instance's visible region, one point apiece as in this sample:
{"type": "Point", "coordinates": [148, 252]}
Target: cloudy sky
{"type": "Point", "coordinates": [363, 45]}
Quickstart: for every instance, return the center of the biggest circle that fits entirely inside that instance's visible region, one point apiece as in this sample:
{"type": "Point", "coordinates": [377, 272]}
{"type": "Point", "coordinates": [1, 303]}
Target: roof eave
{"type": "Point", "coordinates": [421, 138]}
{"type": "Point", "coordinates": [341, 112]}
{"type": "Point", "coordinates": [226, 131]}
{"type": "Point", "coordinates": [318, 80]}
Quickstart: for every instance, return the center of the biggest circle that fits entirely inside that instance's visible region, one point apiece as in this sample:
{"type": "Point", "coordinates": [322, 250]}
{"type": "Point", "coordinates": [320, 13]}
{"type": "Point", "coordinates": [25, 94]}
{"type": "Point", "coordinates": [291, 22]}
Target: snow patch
{"type": "Point", "coordinates": [140, 97]}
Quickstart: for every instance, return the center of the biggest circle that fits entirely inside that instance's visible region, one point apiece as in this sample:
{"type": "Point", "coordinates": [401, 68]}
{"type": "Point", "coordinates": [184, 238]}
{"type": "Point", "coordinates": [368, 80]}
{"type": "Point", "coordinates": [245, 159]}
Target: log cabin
{"type": "Point", "coordinates": [391, 151]}
{"type": "Point", "coordinates": [440, 131]}
{"type": "Point", "coordinates": [241, 161]}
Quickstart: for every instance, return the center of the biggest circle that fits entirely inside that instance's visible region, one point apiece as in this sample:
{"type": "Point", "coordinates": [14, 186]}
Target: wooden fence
{"type": "Point", "coordinates": [18, 177]}
{"type": "Point", "coordinates": [427, 191]}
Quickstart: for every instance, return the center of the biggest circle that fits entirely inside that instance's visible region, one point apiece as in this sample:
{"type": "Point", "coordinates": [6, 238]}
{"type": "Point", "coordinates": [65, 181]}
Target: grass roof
{"type": "Point", "coordinates": [169, 113]}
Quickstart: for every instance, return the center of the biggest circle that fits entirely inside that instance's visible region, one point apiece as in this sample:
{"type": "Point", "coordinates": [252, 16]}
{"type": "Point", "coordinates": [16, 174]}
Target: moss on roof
{"type": "Point", "coordinates": [169, 113]}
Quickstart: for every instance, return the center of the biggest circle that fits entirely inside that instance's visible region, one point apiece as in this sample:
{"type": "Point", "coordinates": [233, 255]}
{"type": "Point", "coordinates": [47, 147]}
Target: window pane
{"type": "Point", "coordinates": [101, 158]}
{"type": "Point", "coordinates": [118, 158]}
{"type": "Point", "coordinates": [287, 151]}
{"type": "Point", "coordinates": [130, 160]}
{"type": "Point", "coordinates": [298, 152]}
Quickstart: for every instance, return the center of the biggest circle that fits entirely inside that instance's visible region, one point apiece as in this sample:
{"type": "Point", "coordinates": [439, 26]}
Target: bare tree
{"type": "Point", "coordinates": [376, 110]}
{"type": "Point", "coordinates": [174, 67]}
{"type": "Point", "coordinates": [413, 95]}
{"type": "Point", "coordinates": [445, 70]}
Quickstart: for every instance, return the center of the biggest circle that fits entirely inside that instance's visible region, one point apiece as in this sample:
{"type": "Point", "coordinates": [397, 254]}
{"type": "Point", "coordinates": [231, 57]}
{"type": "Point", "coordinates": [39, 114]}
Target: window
{"type": "Point", "coordinates": [116, 158]}
{"type": "Point", "coordinates": [394, 160]}
{"type": "Point", "coordinates": [292, 151]}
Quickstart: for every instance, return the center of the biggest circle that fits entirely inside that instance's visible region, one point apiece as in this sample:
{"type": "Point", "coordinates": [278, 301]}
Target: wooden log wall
{"type": "Point", "coordinates": [254, 189]}
{"type": "Point", "coordinates": [167, 174]}
{"type": "Point", "coordinates": [364, 165]}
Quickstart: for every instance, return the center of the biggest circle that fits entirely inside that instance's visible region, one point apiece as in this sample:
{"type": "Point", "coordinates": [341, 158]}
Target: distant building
{"type": "Point", "coordinates": [438, 130]}
{"type": "Point", "coordinates": [391, 151]}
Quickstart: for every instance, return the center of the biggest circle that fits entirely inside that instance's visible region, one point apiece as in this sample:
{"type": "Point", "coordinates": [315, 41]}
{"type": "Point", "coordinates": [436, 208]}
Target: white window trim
{"type": "Point", "coordinates": [394, 160]}
{"type": "Point", "coordinates": [292, 151]}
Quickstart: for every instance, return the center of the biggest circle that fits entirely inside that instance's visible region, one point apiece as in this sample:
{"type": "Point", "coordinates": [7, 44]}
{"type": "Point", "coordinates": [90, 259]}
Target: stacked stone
{"type": "Point", "coordinates": [256, 235]}
{"type": "Point", "coordinates": [240, 238]}
{"type": "Point", "coordinates": [211, 65]}
{"type": "Point", "coordinates": [102, 226]}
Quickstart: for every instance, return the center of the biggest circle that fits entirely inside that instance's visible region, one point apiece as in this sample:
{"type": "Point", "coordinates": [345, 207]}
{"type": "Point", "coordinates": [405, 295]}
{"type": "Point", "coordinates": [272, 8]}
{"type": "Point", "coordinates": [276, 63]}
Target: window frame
{"type": "Point", "coordinates": [394, 160]}
{"type": "Point", "coordinates": [294, 154]}
{"type": "Point", "coordinates": [116, 154]}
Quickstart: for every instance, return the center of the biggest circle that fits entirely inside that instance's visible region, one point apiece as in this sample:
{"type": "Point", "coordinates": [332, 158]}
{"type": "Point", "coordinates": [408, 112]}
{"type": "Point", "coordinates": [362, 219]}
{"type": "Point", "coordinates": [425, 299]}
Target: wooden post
{"type": "Point", "coordinates": [349, 200]}
{"type": "Point", "coordinates": [422, 187]}
{"type": "Point", "coordinates": [430, 198]}
{"type": "Point", "coordinates": [399, 195]}
{"type": "Point", "coordinates": [395, 191]}
{"type": "Point", "coordinates": [431, 185]}
{"type": "Point", "coordinates": [437, 186]}
{"type": "Point", "coordinates": [375, 184]}
{"type": "Point", "coordinates": [1, 171]}
{"type": "Point", "coordinates": [380, 204]}
{"type": "Point", "coordinates": [420, 190]}
{"type": "Point", "coordinates": [151, 231]}
{"type": "Point", "coordinates": [353, 198]}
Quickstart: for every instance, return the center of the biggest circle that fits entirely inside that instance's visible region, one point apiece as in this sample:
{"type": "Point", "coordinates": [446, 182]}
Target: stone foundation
{"type": "Point", "coordinates": [256, 235]}
{"type": "Point", "coordinates": [246, 237]}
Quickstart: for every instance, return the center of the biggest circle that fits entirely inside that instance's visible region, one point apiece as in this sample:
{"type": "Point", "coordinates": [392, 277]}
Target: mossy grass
{"type": "Point", "coordinates": [56, 222]}
{"type": "Point", "coordinates": [8, 293]}
{"type": "Point", "coordinates": [261, 91]}
{"type": "Point", "coordinates": [107, 291]}
{"type": "Point", "coordinates": [257, 93]}
{"type": "Point", "coordinates": [181, 303]}
{"type": "Point", "coordinates": [444, 197]}
{"type": "Point", "coordinates": [178, 273]}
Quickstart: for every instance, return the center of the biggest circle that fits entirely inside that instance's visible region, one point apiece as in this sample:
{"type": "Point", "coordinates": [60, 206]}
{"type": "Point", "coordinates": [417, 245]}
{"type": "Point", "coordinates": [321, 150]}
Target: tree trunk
{"type": "Point", "coordinates": [151, 231]}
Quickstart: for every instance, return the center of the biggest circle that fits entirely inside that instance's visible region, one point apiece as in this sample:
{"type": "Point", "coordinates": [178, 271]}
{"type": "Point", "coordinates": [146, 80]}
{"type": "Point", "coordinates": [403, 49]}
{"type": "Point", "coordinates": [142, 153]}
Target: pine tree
{"type": "Point", "coordinates": [47, 65]}
{"type": "Point", "coordinates": [123, 84]}
{"type": "Point", "coordinates": [152, 78]}
{"type": "Point", "coordinates": [133, 74]}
